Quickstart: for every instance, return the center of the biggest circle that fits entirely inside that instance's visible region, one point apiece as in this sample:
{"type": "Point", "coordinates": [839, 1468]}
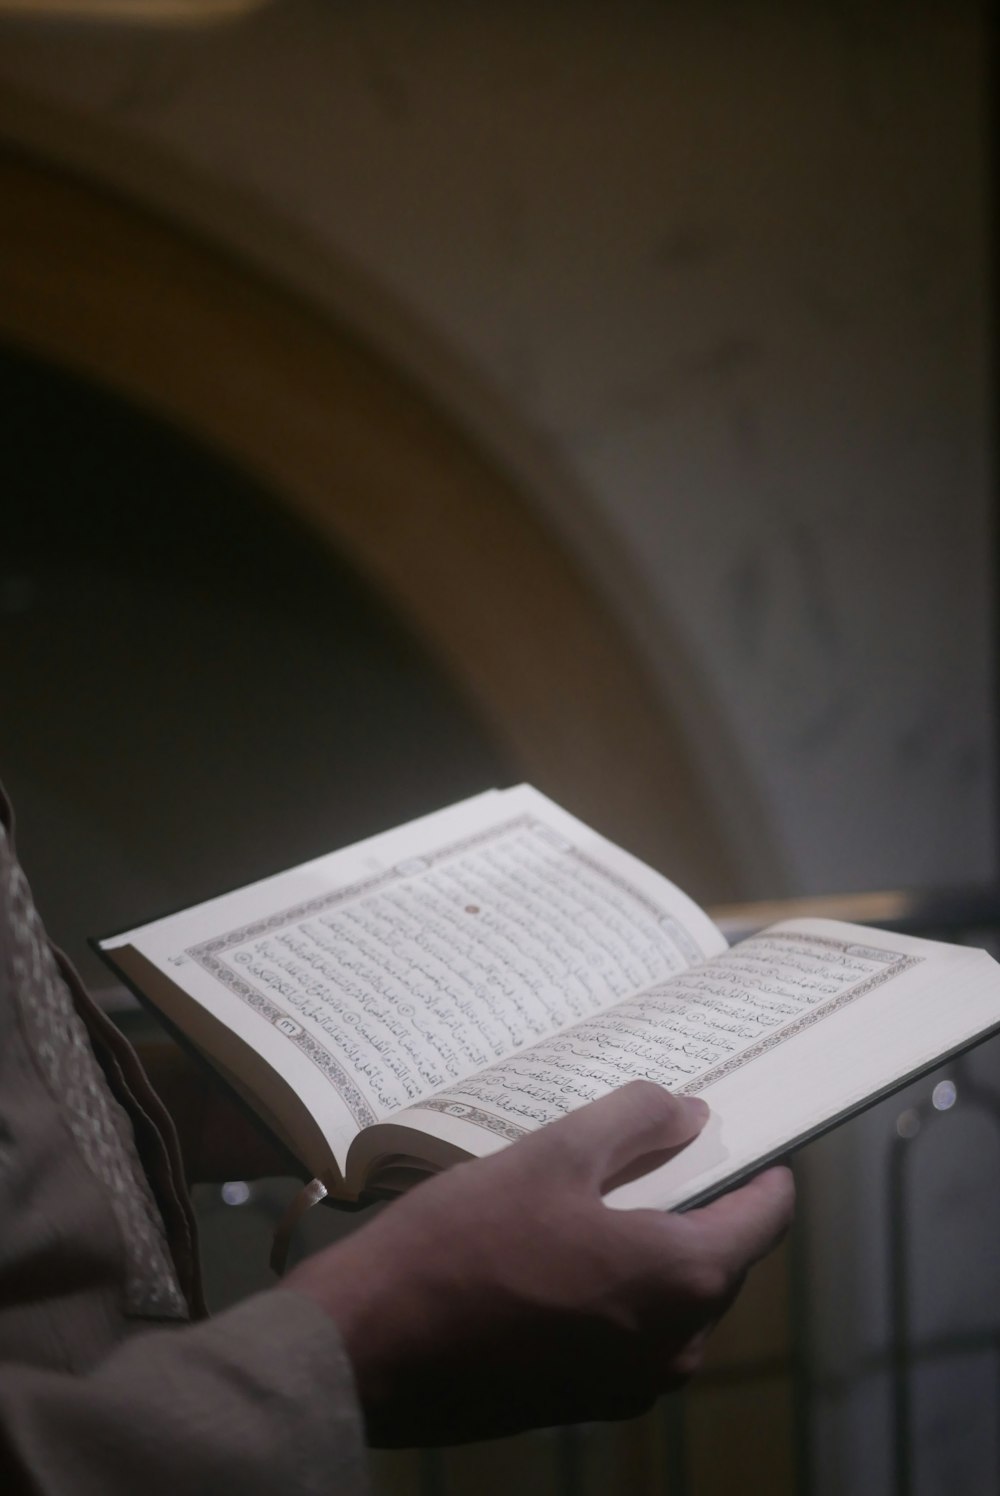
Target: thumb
{"type": "Point", "coordinates": [600, 1142]}
{"type": "Point", "coordinates": [744, 1225]}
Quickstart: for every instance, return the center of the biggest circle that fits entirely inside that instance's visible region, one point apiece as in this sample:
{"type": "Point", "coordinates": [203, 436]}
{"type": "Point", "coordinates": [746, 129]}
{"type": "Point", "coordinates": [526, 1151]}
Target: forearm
{"type": "Point", "coordinates": [259, 1400]}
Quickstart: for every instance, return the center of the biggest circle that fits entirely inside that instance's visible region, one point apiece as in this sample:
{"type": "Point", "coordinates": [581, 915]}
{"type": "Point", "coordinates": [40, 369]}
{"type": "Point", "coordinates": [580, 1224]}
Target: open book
{"type": "Point", "coordinates": [436, 992]}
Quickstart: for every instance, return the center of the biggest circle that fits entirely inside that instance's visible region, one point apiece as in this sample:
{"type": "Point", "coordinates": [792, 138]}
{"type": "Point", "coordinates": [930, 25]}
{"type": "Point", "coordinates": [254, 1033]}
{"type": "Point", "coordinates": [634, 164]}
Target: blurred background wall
{"type": "Point", "coordinates": [692, 300]}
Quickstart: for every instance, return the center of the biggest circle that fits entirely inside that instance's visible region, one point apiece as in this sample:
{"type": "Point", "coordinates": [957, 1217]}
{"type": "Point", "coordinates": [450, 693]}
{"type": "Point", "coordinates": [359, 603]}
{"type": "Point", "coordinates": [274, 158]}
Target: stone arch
{"type": "Point", "coordinates": [96, 283]}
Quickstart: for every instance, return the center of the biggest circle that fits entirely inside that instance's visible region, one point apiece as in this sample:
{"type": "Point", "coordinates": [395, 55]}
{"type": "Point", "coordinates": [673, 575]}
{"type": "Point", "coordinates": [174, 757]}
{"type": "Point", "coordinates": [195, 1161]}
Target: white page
{"type": "Point", "coordinates": [167, 943]}
{"type": "Point", "coordinates": [946, 999]}
{"type": "Point", "coordinates": [377, 975]}
{"type": "Point", "coordinates": [842, 1015]}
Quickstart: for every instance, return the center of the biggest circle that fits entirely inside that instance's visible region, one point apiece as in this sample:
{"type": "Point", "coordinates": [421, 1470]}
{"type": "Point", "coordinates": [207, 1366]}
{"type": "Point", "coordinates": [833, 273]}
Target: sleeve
{"type": "Point", "coordinates": [259, 1400]}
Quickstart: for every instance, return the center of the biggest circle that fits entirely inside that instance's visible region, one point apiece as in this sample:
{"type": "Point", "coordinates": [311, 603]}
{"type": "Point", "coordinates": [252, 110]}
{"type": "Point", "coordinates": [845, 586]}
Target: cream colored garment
{"type": "Point", "coordinates": [105, 1387]}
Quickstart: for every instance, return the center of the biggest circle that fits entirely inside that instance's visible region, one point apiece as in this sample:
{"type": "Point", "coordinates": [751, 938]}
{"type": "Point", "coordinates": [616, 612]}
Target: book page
{"type": "Point", "coordinates": [450, 944]}
{"type": "Point", "coordinates": [748, 1031]}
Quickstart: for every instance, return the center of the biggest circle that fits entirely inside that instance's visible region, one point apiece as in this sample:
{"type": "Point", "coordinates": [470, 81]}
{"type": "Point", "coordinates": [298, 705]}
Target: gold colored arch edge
{"type": "Point", "coordinates": [94, 283]}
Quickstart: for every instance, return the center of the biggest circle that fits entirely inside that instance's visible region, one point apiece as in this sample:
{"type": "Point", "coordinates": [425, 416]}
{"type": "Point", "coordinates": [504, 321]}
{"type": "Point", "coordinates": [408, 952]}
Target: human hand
{"type": "Point", "coordinates": [505, 1294]}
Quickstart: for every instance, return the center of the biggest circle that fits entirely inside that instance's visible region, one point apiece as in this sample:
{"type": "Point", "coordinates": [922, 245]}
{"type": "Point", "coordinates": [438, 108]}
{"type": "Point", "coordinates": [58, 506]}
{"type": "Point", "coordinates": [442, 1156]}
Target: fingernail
{"type": "Point", "coordinates": [697, 1108]}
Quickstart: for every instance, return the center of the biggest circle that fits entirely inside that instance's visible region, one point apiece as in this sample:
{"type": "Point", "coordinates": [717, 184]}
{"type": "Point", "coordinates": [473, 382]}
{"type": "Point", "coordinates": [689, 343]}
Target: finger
{"type": "Point", "coordinates": [743, 1226]}
{"type": "Point", "coordinates": [601, 1140]}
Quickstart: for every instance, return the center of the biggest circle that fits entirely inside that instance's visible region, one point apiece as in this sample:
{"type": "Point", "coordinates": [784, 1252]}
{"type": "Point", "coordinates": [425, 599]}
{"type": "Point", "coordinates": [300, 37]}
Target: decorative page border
{"type": "Point", "coordinates": [209, 954]}
{"type": "Point", "coordinates": [894, 965]}
{"type": "Point", "coordinates": [474, 1114]}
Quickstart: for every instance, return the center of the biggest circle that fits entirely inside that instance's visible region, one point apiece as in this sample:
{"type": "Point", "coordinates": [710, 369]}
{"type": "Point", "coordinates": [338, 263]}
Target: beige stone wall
{"type": "Point", "coordinates": [710, 279]}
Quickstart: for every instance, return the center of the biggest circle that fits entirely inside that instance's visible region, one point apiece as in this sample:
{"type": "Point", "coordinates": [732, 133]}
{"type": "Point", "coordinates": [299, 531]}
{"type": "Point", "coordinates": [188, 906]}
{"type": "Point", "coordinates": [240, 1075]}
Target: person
{"type": "Point", "coordinates": [501, 1295]}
